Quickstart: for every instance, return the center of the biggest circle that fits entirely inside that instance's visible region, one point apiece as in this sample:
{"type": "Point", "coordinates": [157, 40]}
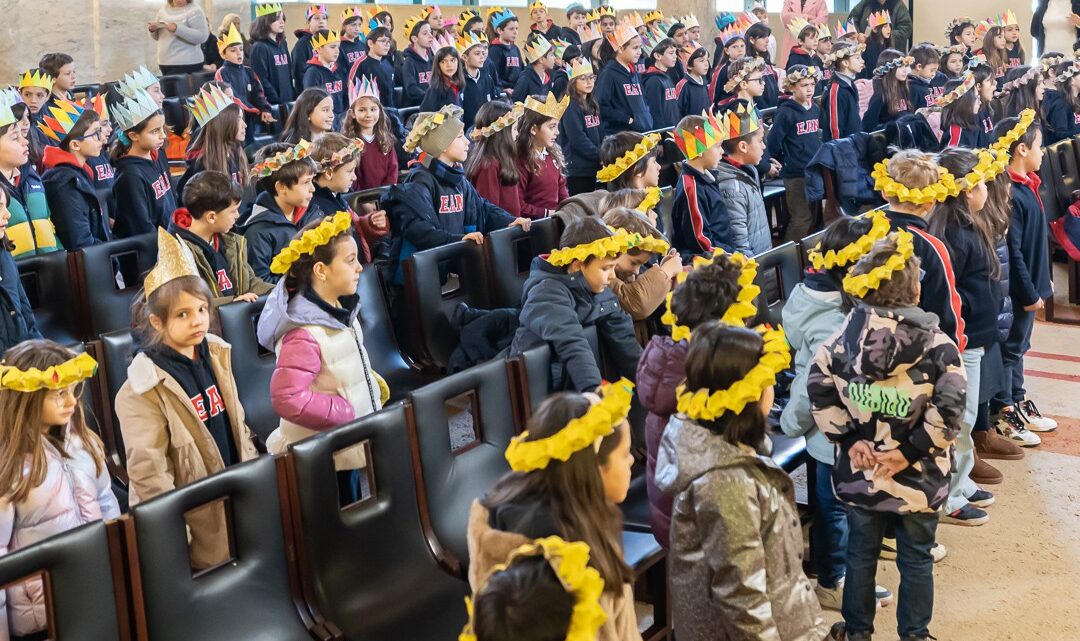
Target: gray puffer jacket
{"type": "Point", "coordinates": [736, 544]}
{"type": "Point", "coordinates": [750, 233]}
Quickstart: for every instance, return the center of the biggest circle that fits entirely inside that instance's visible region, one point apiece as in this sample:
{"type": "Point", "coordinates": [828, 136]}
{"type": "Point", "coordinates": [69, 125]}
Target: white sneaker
{"type": "Point", "coordinates": [1036, 422]}
{"type": "Point", "coordinates": [1011, 426]}
{"type": "Point", "coordinates": [888, 550]}
{"type": "Point", "coordinates": [830, 598]}
{"type": "Point", "coordinates": [938, 552]}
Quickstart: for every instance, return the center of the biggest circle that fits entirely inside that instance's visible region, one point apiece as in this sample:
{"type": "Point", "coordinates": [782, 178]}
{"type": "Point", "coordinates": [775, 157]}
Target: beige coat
{"type": "Point", "coordinates": [169, 447]}
{"type": "Point", "coordinates": [489, 547]}
{"type": "Point", "coordinates": [641, 297]}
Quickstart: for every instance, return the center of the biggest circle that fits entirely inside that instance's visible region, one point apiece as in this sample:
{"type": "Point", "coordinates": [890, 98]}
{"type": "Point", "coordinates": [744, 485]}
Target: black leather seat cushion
{"type": "Point", "coordinates": [252, 365]}
{"type": "Point", "coordinates": [789, 452]}
{"type": "Point", "coordinates": [399, 372]}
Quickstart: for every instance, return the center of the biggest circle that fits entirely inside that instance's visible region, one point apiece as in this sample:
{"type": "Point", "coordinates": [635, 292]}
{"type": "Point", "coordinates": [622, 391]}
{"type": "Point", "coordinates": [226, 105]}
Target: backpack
{"type": "Point", "coordinates": [912, 131]}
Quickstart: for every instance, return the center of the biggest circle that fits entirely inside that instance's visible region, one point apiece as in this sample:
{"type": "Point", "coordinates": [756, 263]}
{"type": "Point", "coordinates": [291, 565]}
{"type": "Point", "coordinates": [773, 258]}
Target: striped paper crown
{"type": "Point", "coordinates": [60, 120]}
{"type": "Point", "coordinates": [468, 40]}
{"type": "Point", "coordinates": [696, 141]}
{"type": "Point", "coordinates": [229, 39]}
{"type": "Point", "coordinates": [208, 104]}
{"type": "Point", "coordinates": [318, 41]}
{"type": "Point", "coordinates": [365, 88]}
{"type": "Point", "coordinates": [36, 78]}
{"type": "Point", "coordinates": [267, 9]}
{"type": "Point", "coordinates": [135, 82]}
{"type": "Point", "coordinates": [132, 111]}
{"type": "Point", "coordinates": [536, 47]}
{"type": "Point", "coordinates": [879, 18]}
{"type": "Point", "coordinates": [844, 29]}
{"type": "Point", "coordinates": [740, 122]}
{"type": "Point", "coordinates": [624, 33]}
{"type": "Point", "coordinates": [580, 67]}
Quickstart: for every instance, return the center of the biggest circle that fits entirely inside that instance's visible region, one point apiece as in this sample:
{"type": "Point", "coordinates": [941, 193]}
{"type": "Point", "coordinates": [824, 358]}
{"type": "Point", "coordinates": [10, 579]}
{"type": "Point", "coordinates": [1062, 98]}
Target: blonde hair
{"type": "Point", "coordinates": [913, 169]}
{"type": "Point", "coordinates": [632, 221]}
{"type": "Point", "coordinates": [229, 19]}
{"type": "Point", "coordinates": [902, 288]}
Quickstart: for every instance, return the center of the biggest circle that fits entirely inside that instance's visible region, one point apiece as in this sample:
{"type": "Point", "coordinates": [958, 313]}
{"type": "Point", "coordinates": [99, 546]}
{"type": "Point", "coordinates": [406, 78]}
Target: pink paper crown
{"type": "Point", "coordinates": [365, 88]}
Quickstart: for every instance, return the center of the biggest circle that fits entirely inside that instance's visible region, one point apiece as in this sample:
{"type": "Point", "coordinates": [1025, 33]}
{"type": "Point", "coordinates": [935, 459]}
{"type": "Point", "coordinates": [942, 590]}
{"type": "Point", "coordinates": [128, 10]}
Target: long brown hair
{"type": "Point", "coordinates": [458, 79]}
{"type": "Point", "coordinates": [217, 144]}
{"type": "Point", "coordinates": [954, 212]}
{"type": "Point", "coordinates": [298, 278]}
{"type": "Point", "coordinates": [894, 92]}
{"type": "Point", "coordinates": [720, 355]}
{"type": "Point", "coordinates": [160, 304]}
{"type": "Point", "coordinates": [497, 148]}
{"type": "Point", "coordinates": [998, 59]}
{"type": "Point", "coordinates": [384, 137]}
{"type": "Point", "coordinates": [573, 490]}
{"type": "Point", "coordinates": [23, 433]}
{"type": "Point", "coordinates": [585, 101]}
{"type": "Point", "coordinates": [523, 146]}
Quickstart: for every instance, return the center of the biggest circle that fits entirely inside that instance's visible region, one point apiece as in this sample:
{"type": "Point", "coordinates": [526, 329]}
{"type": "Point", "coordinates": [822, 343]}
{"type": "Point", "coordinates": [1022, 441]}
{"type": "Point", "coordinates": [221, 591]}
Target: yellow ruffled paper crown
{"type": "Point", "coordinates": [579, 433]}
{"type": "Point", "coordinates": [934, 193]}
{"type": "Point", "coordinates": [651, 199]}
{"type": "Point", "coordinates": [738, 313]}
{"type": "Point", "coordinates": [267, 167]}
{"type": "Point", "coordinates": [967, 83]}
{"type": "Point", "coordinates": [879, 19]}
{"type": "Point", "coordinates": [850, 254]}
{"type": "Point", "coordinates": [1027, 117]}
{"type": "Point", "coordinates": [209, 104]}
{"type": "Point", "coordinates": [36, 78]}
{"type": "Point", "coordinates": [653, 16]}
{"type": "Point", "coordinates": [228, 39]}
{"type": "Point", "coordinates": [862, 284]}
{"type": "Point", "coordinates": [620, 242]}
{"type": "Point", "coordinates": [570, 561]}
{"type": "Point", "coordinates": [992, 163]}
{"type": "Point", "coordinates": [502, 122]}
{"type": "Point", "coordinates": [797, 24]}
{"type": "Point", "coordinates": [174, 260]}
{"type": "Point", "coordinates": [580, 67]}
{"type": "Point", "coordinates": [536, 47]}
{"type": "Point", "coordinates": [696, 141]}
{"type": "Point", "coordinates": [610, 172]}
{"type": "Point", "coordinates": [267, 9]}
{"type": "Point", "coordinates": [701, 405]}
{"type": "Point", "coordinates": [550, 107]}
{"type": "Point", "coordinates": [310, 240]}
{"type": "Point", "coordinates": [468, 40]}
{"type": "Point", "coordinates": [624, 32]}
{"type": "Point", "coordinates": [55, 377]}
{"type": "Point", "coordinates": [318, 41]}
{"type": "Point", "coordinates": [537, 5]}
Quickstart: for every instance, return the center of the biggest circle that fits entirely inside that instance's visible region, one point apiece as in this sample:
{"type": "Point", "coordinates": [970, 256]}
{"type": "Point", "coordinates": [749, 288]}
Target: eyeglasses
{"type": "Point", "coordinates": [99, 133]}
{"type": "Point", "coordinates": [383, 41]}
{"type": "Point", "coordinates": [758, 79]}
{"type": "Point", "coordinates": [60, 396]}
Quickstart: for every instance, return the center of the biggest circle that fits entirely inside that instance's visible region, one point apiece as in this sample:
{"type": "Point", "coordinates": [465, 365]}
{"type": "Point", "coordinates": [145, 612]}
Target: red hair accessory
{"type": "Point", "coordinates": [182, 218]}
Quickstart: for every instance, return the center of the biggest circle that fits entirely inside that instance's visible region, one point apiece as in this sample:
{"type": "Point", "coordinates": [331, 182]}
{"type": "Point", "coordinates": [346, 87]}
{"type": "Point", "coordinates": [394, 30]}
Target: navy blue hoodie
{"type": "Point", "coordinates": [795, 136]}
{"type": "Point", "coordinates": [840, 110]}
{"type": "Point", "coordinates": [329, 80]}
{"type": "Point", "coordinates": [1062, 121]}
{"type": "Point", "coordinates": [246, 86]}
{"type": "Point", "coordinates": [505, 60]}
{"type": "Point", "coordinates": [17, 323]}
{"type": "Point", "coordinates": [698, 215]}
{"type": "Point", "coordinates": [579, 138]}
{"type": "Point", "coordinates": [661, 98]}
{"type": "Point", "coordinates": [350, 51]}
{"type": "Point", "coordinates": [302, 52]}
{"type": "Point", "coordinates": [972, 137]}
{"type": "Point", "coordinates": [270, 61]}
{"type": "Point", "coordinates": [380, 71]}
{"type": "Point", "coordinates": [144, 197]}
{"type": "Point", "coordinates": [530, 83]}
{"type": "Point", "coordinates": [980, 295]}
{"type": "Point", "coordinates": [693, 96]}
{"type": "Point", "coordinates": [878, 115]}
{"type": "Point", "coordinates": [924, 93]}
{"type": "Point", "coordinates": [1029, 252]}
{"type": "Point", "coordinates": [415, 77]}
{"type": "Point", "coordinates": [560, 82]}
{"type": "Point", "coordinates": [439, 94]}
{"type": "Point", "coordinates": [771, 97]}
{"type": "Point", "coordinates": [268, 231]}
{"type": "Point", "coordinates": [81, 218]}
{"type": "Point", "coordinates": [571, 36]}
{"type": "Point", "coordinates": [618, 90]}
{"type": "Point", "coordinates": [800, 56]}
{"type": "Point", "coordinates": [478, 92]}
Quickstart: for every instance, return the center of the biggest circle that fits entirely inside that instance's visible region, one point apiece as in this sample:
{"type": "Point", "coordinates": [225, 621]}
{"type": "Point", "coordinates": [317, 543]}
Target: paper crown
{"type": "Point", "coordinates": [636, 21]}
{"type": "Point", "coordinates": [686, 52]}
{"type": "Point", "coordinates": [610, 172]}
{"type": "Point", "coordinates": [316, 9]}
{"type": "Point", "coordinates": [10, 96]}
{"type": "Point", "coordinates": [266, 168]}
{"type": "Point", "coordinates": [795, 76]}
{"type": "Point", "coordinates": [491, 11]}
{"type": "Point", "coordinates": [592, 16]}
{"type": "Point", "coordinates": [797, 24]}
{"type": "Point", "coordinates": [580, 67]}
{"type": "Point", "coordinates": [226, 40]}
{"type": "Point", "coordinates": [690, 21]}
{"type": "Point", "coordinates": [537, 5]}
{"type": "Point", "coordinates": [36, 78]}
{"type": "Point", "coordinates": [862, 284]}
{"type": "Point", "coordinates": [967, 83]}
{"type": "Point", "coordinates": [174, 260]}
{"type": "Point", "coordinates": [752, 65]}
{"type": "Point", "coordinates": [536, 47]}
{"type": "Point", "coordinates": [844, 29]}
{"type": "Point", "coordinates": [823, 32]}
{"type": "Point", "coordinates": [60, 120]}
{"type": "Point", "coordinates": [267, 9]}
{"type": "Point", "coordinates": [884, 69]}
{"type": "Point", "coordinates": [550, 107]}
{"type": "Point", "coordinates": [443, 40]}
{"type": "Point", "coordinates": [654, 16]}
{"type": "Point", "coordinates": [502, 122]}
{"type": "Point", "coordinates": [605, 10]}
{"type": "Point", "coordinates": [449, 116]}
{"type": "Point", "coordinates": [878, 19]}
{"type": "Point", "coordinates": [464, 19]}
{"type": "Point", "coordinates": [1010, 18]}
{"type": "Point", "coordinates": [560, 48]}
{"type": "Point", "coordinates": [737, 29]}
{"type": "Point", "coordinates": [97, 103]}
{"type": "Point", "coordinates": [843, 52]}
{"type": "Point", "coordinates": [308, 241]}
{"type": "Point", "coordinates": [724, 20]}
{"type": "Point", "coordinates": [955, 23]}
{"type": "Point", "coordinates": [740, 122]}
{"type": "Point", "coordinates": [56, 377]}
{"type": "Point", "coordinates": [6, 117]}
{"type": "Point", "coordinates": [624, 32]}
{"type": "Point", "coordinates": [128, 113]}
{"type": "Point", "coordinates": [136, 81]}
{"type": "Point", "coordinates": [318, 40]}
{"type": "Point", "coordinates": [501, 17]}
{"type": "Point", "coordinates": [352, 13]}
{"type": "Point", "coordinates": [588, 33]}
{"type": "Point", "coordinates": [468, 40]}
{"type": "Point", "coordinates": [650, 40]}
{"type": "Point", "coordinates": [696, 141]}
{"type": "Point", "coordinates": [208, 104]}
{"type": "Point", "coordinates": [365, 87]}
{"type": "Point", "coordinates": [412, 23]}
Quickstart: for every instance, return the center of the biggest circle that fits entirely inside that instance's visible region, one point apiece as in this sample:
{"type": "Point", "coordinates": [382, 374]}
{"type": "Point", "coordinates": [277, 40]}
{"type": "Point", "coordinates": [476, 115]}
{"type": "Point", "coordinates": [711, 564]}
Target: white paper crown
{"type": "Point", "coordinates": [130, 112]}
{"type": "Point", "coordinates": [136, 81]}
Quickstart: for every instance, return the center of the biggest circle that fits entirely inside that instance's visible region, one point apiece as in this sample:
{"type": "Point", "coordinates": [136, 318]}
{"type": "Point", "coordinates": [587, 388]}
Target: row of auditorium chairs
{"type": "Point", "coordinates": [1060, 175]}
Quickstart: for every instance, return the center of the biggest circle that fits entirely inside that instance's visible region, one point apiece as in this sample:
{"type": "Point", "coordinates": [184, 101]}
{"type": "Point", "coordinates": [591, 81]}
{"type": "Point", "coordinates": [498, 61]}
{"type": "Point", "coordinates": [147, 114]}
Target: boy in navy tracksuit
{"type": "Point", "coordinates": [925, 84]}
{"type": "Point", "coordinates": [622, 103]}
{"type": "Point", "coordinates": [353, 43]}
{"type": "Point", "coordinates": [535, 80]}
{"type": "Point", "coordinates": [505, 60]}
{"type": "Point", "coordinates": [416, 67]}
{"type": "Point", "coordinates": [840, 103]}
{"type": "Point", "coordinates": [322, 72]}
{"type": "Point", "coordinates": [377, 66]}
{"type": "Point", "coordinates": [698, 214]}
{"type": "Point", "coordinates": [794, 138]}
{"type": "Point", "coordinates": [318, 18]}
{"type": "Point", "coordinates": [661, 98]}
{"type": "Point", "coordinates": [479, 88]}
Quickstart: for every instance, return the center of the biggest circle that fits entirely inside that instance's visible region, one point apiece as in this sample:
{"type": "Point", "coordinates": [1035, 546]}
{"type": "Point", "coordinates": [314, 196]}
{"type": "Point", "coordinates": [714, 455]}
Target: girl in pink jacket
{"type": "Point", "coordinates": [324, 377]}
{"type": "Point", "coordinates": [52, 467]}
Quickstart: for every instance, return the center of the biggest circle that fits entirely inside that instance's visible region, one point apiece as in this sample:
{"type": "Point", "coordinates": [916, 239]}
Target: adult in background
{"type": "Point", "coordinates": [1056, 23]}
{"type": "Point", "coordinates": [898, 11]}
{"type": "Point", "coordinates": [179, 28]}
{"type": "Point", "coordinates": [816, 12]}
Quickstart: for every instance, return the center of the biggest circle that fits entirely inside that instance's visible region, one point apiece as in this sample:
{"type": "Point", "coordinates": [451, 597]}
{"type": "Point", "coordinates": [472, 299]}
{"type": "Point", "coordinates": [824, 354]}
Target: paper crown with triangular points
{"type": "Point", "coordinates": [174, 260]}
{"type": "Point", "coordinates": [443, 40]}
{"type": "Point", "coordinates": [537, 5]}
{"type": "Point", "coordinates": [650, 40]}
{"type": "Point", "coordinates": [740, 122]}
{"type": "Point", "coordinates": [97, 103]}
{"type": "Point", "coordinates": [592, 16]}
{"type": "Point", "coordinates": [636, 21]}
{"type": "Point", "coordinates": [232, 37]}
{"type": "Point", "coordinates": [267, 9]}
{"type": "Point", "coordinates": [823, 32]}
{"type": "Point", "coordinates": [501, 17]}
{"type": "Point", "coordinates": [844, 29]}
{"type": "Point", "coordinates": [737, 29]}
{"type": "Point", "coordinates": [624, 32]}
{"type": "Point", "coordinates": [588, 33]}
{"type": "Point", "coordinates": [468, 40]}
{"type": "Point", "coordinates": [1010, 18]}
{"type": "Point", "coordinates": [128, 113]}
{"type": "Point", "coordinates": [797, 24]}
{"type": "Point", "coordinates": [579, 67]}
{"type": "Point", "coordinates": [364, 88]}
{"type": "Point", "coordinates": [316, 9]}
{"type": "Point", "coordinates": [318, 40]}
{"type": "Point", "coordinates": [690, 21]}
{"type": "Point", "coordinates": [60, 119]}
{"type": "Point", "coordinates": [536, 47]}
{"type": "Point", "coordinates": [687, 51]}
{"type": "Point", "coordinates": [653, 16]}
{"type": "Point", "coordinates": [550, 107]}
{"type": "Point", "coordinates": [696, 141]}
{"type": "Point", "coordinates": [9, 96]}
{"type": "Point", "coordinates": [208, 104]}
{"type": "Point", "coordinates": [605, 10]}
{"type": "Point", "coordinates": [412, 23]}
{"type": "Point", "coordinates": [878, 19]}
{"type": "Point", "coordinates": [464, 19]}
{"type": "Point", "coordinates": [6, 116]}
{"type": "Point", "coordinates": [138, 80]}
{"type": "Point", "coordinates": [36, 78]}
{"type": "Point", "coordinates": [352, 13]}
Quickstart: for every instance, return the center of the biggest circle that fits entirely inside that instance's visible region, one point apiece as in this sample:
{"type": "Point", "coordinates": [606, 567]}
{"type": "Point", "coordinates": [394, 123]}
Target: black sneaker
{"type": "Point", "coordinates": [981, 498]}
{"type": "Point", "coordinates": [969, 516]}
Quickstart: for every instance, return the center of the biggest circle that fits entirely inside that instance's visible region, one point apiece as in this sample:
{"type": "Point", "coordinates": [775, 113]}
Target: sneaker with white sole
{"type": "Point", "coordinates": [833, 598]}
{"type": "Point", "coordinates": [1036, 422]}
{"type": "Point", "coordinates": [969, 516]}
{"type": "Point", "coordinates": [939, 552]}
{"type": "Point", "coordinates": [883, 595]}
{"type": "Point", "coordinates": [888, 550]}
{"type": "Point", "coordinates": [981, 498]}
{"type": "Point", "coordinates": [1011, 426]}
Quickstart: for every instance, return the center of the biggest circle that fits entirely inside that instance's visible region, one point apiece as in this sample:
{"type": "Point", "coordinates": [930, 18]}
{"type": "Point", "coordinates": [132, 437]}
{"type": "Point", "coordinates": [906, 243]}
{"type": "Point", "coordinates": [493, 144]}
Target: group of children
{"type": "Point", "coordinates": [907, 334]}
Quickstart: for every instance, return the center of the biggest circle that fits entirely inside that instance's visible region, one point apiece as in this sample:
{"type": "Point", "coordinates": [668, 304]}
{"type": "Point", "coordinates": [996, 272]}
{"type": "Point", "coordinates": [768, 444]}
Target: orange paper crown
{"type": "Point", "coordinates": [878, 19]}
{"type": "Point", "coordinates": [694, 142]}
{"type": "Point", "coordinates": [624, 33]}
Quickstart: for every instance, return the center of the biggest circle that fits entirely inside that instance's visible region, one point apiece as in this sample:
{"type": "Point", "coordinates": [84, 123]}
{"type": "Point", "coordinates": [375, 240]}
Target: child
{"type": "Point", "coordinates": [840, 104]}
{"type": "Point", "coordinates": [579, 137]}
{"type": "Point", "coordinates": [143, 191]}
{"type": "Point", "coordinates": [219, 146]}
{"type": "Point", "coordinates": [880, 39]}
{"type": "Point", "coordinates": [994, 52]}
{"type": "Point", "coordinates": [532, 501]}
{"type": "Point", "coordinates": [1061, 109]}
{"type": "Point", "coordinates": [322, 70]}
{"type": "Point", "coordinates": [480, 87]}
{"type": "Point", "coordinates": [953, 61]}
{"type": "Point", "coordinates": [660, 95]}
{"type": "Point", "coordinates": [1013, 47]}
{"type": "Point", "coordinates": [824, 48]}
{"type": "Point", "coordinates": [318, 19]}
{"type": "Point", "coordinates": [541, 183]}
{"type": "Point", "coordinates": [925, 84]}
{"type": "Point", "coordinates": [734, 49]}
{"type": "Point", "coordinates": [891, 92]}
{"type": "Point", "coordinates": [28, 226]}
{"type": "Point", "coordinates": [367, 121]}
{"type": "Point", "coordinates": [377, 66]}
{"type": "Point", "coordinates": [692, 91]}
{"type": "Point", "coordinates": [353, 44]}
{"type": "Point", "coordinates": [81, 217]}
{"type": "Point", "coordinates": [311, 116]}
{"type": "Point", "coordinates": [492, 165]}
{"type": "Point", "coordinates": [737, 181]}
{"type": "Point", "coordinates": [535, 80]}
{"type": "Point", "coordinates": [618, 88]}
{"type": "Point", "coordinates": [247, 89]}
{"type": "Point", "coordinates": [503, 54]}
{"type": "Point", "coordinates": [960, 32]}
{"type": "Point", "coordinates": [180, 381]}
{"type": "Point", "coordinates": [575, 20]}
{"type": "Point", "coordinates": [755, 566]}
{"type": "Point", "coordinates": [745, 84]}
{"type": "Point", "coordinates": [61, 67]}
{"type": "Point", "coordinates": [607, 20]}
{"type": "Point", "coordinates": [447, 83]}
{"type": "Point", "coordinates": [324, 376]}
{"type": "Point", "coordinates": [14, 304]}
{"type": "Point", "coordinates": [416, 70]}
{"type": "Point", "coordinates": [1023, 89]}
{"type": "Point", "coordinates": [541, 23]}
{"type": "Point", "coordinates": [794, 138]}
{"type": "Point", "coordinates": [698, 211]}
{"type": "Point", "coordinates": [960, 105]}
{"type": "Point", "coordinates": [758, 39]}
{"type": "Point", "coordinates": [338, 157]}
{"type": "Point", "coordinates": [285, 186]}
{"type": "Point", "coordinates": [1030, 281]}
{"type": "Point", "coordinates": [805, 53]}
{"type": "Point", "coordinates": [35, 87]}
{"type": "Point", "coordinates": [270, 54]}
{"type": "Point", "coordinates": [893, 416]}
{"type": "Point", "coordinates": [53, 473]}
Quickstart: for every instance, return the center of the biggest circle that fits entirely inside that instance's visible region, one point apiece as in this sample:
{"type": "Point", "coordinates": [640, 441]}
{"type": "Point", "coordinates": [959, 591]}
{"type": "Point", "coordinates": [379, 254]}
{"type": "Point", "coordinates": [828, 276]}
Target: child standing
{"type": "Point", "coordinates": [579, 137]}
{"type": "Point", "coordinates": [1060, 108]}
{"type": "Point", "coordinates": [322, 70]}
{"type": "Point", "coordinates": [960, 106]}
{"type": "Point", "coordinates": [880, 39]}
{"type": "Point", "coordinates": [204, 224]}
{"type": "Point", "coordinates": [794, 138]}
{"type": "Point", "coordinates": [311, 116]}
{"type": "Point", "coordinates": [270, 54]}
{"type": "Point", "coordinates": [81, 218]}
{"type": "Point", "coordinates": [734, 48]}
{"type": "Point", "coordinates": [416, 70]}
{"type": "Point", "coordinates": [840, 104]}
{"type": "Point", "coordinates": [698, 212]}
{"type": "Point", "coordinates": [503, 54]}
{"type": "Point", "coordinates": [492, 166]}
{"type": "Point", "coordinates": [925, 84]}
{"type": "Point", "coordinates": [1023, 89]}
{"type": "Point", "coordinates": [541, 182]}
{"type": "Point", "coordinates": [447, 82]}
{"type": "Point", "coordinates": [661, 97]}
{"type": "Point", "coordinates": [758, 37]}
{"type": "Point", "coordinates": [61, 68]}
{"type": "Point", "coordinates": [538, 12]}
{"type": "Point", "coordinates": [219, 146]}
{"type": "Point", "coordinates": [35, 88]}
{"type": "Point", "coordinates": [737, 181]}
{"type": "Point", "coordinates": [143, 191]}
{"type": "Point", "coordinates": [284, 177]}
{"type": "Point", "coordinates": [367, 121]}
{"type": "Point", "coordinates": [575, 20]}
{"type": "Point", "coordinates": [1013, 47]}
{"type": "Point", "coordinates": [891, 92]}
{"type": "Point", "coordinates": [994, 52]}
{"type": "Point", "coordinates": [618, 88]}
{"type": "Point", "coordinates": [318, 19]}
{"type": "Point", "coordinates": [480, 87]}
{"type": "Point", "coordinates": [535, 80]}
{"type": "Point", "coordinates": [804, 53]}
{"type": "Point", "coordinates": [353, 43]}
{"type": "Point", "coordinates": [338, 157]}
{"type": "Point", "coordinates": [692, 91]}
{"type": "Point", "coordinates": [246, 86]}
{"type": "Point", "coordinates": [29, 228]}
{"type": "Point", "coordinates": [377, 66]}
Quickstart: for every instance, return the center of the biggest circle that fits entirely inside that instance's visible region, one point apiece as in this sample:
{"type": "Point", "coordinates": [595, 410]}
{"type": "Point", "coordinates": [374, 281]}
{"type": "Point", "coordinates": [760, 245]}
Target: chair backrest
{"type": "Point", "coordinates": [807, 244]}
{"type": "Point", "coordinates": [175, 86]}
{"type": "Point", "coordinates": [663, 211]}
{"type": "Point", "coordinates": [449, 479]}
{"type": "Point", "coordinates": [779, 270]}
{"type": "Point", "coordinates": [357, 198]}
{"type": "Point", "coordinates": [84, 594]}
{"type": "Point", "coordinates": [532, 381]}
{"type": "Point", "coordinates": [1063, 179]}
{"type": "Point", "coordinates": [511, 251]}
{"type": "Point", "coordinates": [254, 364]}
{"type": "Point", "coordinates": [47, 281]}
{"type": "Point", "coordinates": [432, 297]}
{"type": "Point", "coordinates": [403, 593]}
{"type": "Point", "coordinates": [115, 349]}
{"type": "Point", "coordinates": [397, 369]}
{"type": "Point", "coordinates": [248, 597]}
{"type": "Point", "coordinates": [105, 306]}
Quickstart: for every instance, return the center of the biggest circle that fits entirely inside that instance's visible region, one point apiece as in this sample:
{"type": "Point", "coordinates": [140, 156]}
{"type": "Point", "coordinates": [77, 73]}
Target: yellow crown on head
{"type": "Point", "coordinates": [268, 9]}
{"type": "Point", "coordinates": [539, 47]}
{"type": "Point", "coordinates": [592, 16]}
{"type": "Point", "coordinates": [797, 24]}
{"type": "Point", "coordinates": [653, 16]}
{"type": "Point", "coordinates": [610, 172]}
{"type": "Point", "coordinates": [307, 242]}
{"type": "Point", "coordinates": [624, 33]}
{"type": "Point", "coordinates": [862, 284]}
{"type": "Point", "coordinates": [36, 78]}
{"type": "Point", "coordinates": [350, 13]}
{"type": "Point", "coordinates": [690, 21]}
{"type": "Point", "coordinates": [1010, 18]}
{"type": "Point", "coordinates": [536, 6]}
{"type": "Point", "coordinates": [229, 39]}
{"type": "Point", "coordinates": [318, 41]}
{"type": "Point", "coordinates": [174, 260]}
{"type": "Point", "coordinates": [464, 19]}
{"type": "Point", "coordinates": [580, 67]}
{"type": "Point", "coordinates": [55, 377]}
{"type": "Point", "coordinates": [879, 18]}
{"type": "Point", "coordinates": [740, 311]}
{"type": "Point", "coordinates": [412, 23]}
{"type": "Point", "coordinates": [551, 107]}
{"type": "Point", "coordinates": [605, 10]}
{"type": "Point", "coordinates": [468, 40]}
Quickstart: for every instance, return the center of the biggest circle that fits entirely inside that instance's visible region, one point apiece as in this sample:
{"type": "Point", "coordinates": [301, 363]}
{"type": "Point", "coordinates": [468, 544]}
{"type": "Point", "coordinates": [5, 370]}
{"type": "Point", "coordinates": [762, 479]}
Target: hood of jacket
{"type": "Point", "coordinates": [411, 54]}
{"type": "Point", "coordinates": [144, 375]}
{"type": "Point", "coordinates": [446, 174]}
{"type": "Point", "coordinates": [884, 343]}
{"type": "Point", "coordinates": [140, 164]}
{"type": "Point", "coordinates": [266, 211]}
{"type": "Point", "coordinates": [56, 157]}
{"type": "Point", "coordinates": [787, 103]}
{"type": "Point", "coordinates": [283, 313]}
{"type": "Point", "coordinates": [659, 363]}
{"type": "Point", "coordinates": [815, 299]}
{"type": "Point", "coordinates": [746, 173]}
{"type": "Point", "coordinates": [688, 450]}
{"type": "Point", "coordinates": [542, 271]}
{"type": "Point", "coordinates": [582, 205]}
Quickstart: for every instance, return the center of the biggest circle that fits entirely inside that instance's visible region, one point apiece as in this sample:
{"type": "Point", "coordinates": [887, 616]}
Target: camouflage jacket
{"type": "Point", "coordinates": [892, 378]}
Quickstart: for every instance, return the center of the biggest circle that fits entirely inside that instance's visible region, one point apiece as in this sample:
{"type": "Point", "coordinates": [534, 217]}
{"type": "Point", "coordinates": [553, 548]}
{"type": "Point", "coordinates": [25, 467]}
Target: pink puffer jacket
{"type": "Point", "coordinates": [72, 494]}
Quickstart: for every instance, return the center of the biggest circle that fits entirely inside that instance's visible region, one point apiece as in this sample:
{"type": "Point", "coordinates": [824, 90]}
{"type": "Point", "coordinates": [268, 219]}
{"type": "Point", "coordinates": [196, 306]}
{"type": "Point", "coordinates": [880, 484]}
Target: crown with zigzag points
{"type": "Point", "coordinates": [129, 113]}
{"type": "Point", "coordinates": [844, 29]}
{"type": "Point", "coordinates": [690, 21]}
{"type": "Point", "coordinates": [97, 103]}
{"type": "Point", "coordinates": [1010, 18]}
{"type": "Point", "coordinates": [537, 4]}
{"type": "Point", "coordinates": [267, 9]}
{"type": "Point", "coordinates": [686, 52]}
{"type": "Point", "coordinates": [624, 32]}
{"type": "Point", "coordinates": [60, 120]}
{"type": "Point", "coordinates": [316, 9]}
{"type": "Point", "coordinates": [208, 104]}
{"type": "Point", "coordinates": [468, 40]}
{"type": "Point", "coordinates": [696, 141]}
{"type": "Point", "coordinates": [229, 39]}
{"type": "Point", "coordinates": [823, 32]}
{"type": "Point", "coordinates": [413, 23]}
{"type": "Point", "coordinates": [501, 17]}
{"type": "Point", "coordinates": [464, 19]}
{"type": "Point", "coordinates": [740, 122]}
{"type": "Point", "coordinates": [797, 24]}
{"type": "Point", "coordinates": [650, 40]}
{"type": "Point", "coordinates": [364, 88]}
{"type": "Point", "coordinates": [588, 33]}
{"type": "Point", "coordinates": [654, 16]}
{"type": "Point", "coordinates": [10, 96]}
{"type": "Point", "coordinates": [352, 13]}
{"type": "Point", "coordinates": [138, 80]}
{"type": "Point", "coordinates": [579, 67]}
{"type": "Point", "coordinates": [36, 78]}
{"type": "Point", "coordinates": [879, 19]}
{"type": "Point", "coordinates": [550, 107]}
{"type": "Point", "coordinates": [737, 29]}
{"type": "Point", "coordinates": [605, 10]}
{"type": "Point", "coordinates": [319, 41]}
{"type": "Point", "coordinates": [536, 47]}
{"type": "Point", "coordinates": [636, 21]}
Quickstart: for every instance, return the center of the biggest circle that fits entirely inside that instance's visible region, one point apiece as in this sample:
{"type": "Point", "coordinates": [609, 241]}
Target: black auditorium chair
{"type": "Point", "coordinates": [255, 595]}
{"type": "Point", "coordinates": [663, 211]}
{"type": "Point", "coordinates": [84, 593]}
{"type": "Point", "coordinates": [806, 245]}
{"type": "Point", "coordinates": [779, 270]}
{"type": "Point", "coordinates": [47, 281]}
{"type": "Point", "coordinates": [397, 369]}
{"type": "Point", "coordinates": [105, 305]}
{"type": "Point", "coordinates": [373, 195]}
{"type": "Point", "coordinates": [252, 364]}
{"type": "Point", "coordinates": [368, 567]}
{"type": "Point", "coordinates": [175, 86]}
{"type": "Point", "coordinates": [511, 252]}
{"type": "Point", "coordinates": [115, 353]}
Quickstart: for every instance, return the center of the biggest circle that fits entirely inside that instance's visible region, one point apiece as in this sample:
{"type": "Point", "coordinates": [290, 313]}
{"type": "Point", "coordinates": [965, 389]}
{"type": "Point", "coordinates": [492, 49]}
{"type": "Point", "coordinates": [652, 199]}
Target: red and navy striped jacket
{"type": "Point", "coordinates": [840, 110]}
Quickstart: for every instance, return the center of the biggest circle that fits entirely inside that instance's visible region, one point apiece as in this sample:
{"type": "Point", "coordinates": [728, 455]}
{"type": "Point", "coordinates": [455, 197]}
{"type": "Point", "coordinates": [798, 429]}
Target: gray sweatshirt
{"type": "Point", "coordinates": [184, 47]}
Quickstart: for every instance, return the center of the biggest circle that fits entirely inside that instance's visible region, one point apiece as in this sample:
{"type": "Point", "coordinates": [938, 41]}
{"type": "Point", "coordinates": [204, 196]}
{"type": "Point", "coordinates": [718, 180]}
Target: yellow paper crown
{"type": "Point", "coordinates": [605, 10]}
{"type": "Point", "coordinates": [653, 16]}
{"type": "Point", "coordinates": [1010, 18]}
{"type": "Point", "coordinates": [412, 23]}
{"type": "Point", "coordinates": [933, 193]}
{"type": "Point", "coordinates": [701, 405]}
{"type": "Point", "coordinates": [624, 33]}
{"type": "Point", "coordinates": [464, 19]}
{"type": "Point", "coordinates": [651, 199]}
{"type": "Point", "coordinates": [267, 9]}
{"type": "Point", "coordinates": [592, 16]}
{"type": "Point", "coordinates": [210, 102]}
{"type": "Point", "coordinates": [536, 47]}
{"type": "Point", "coordinates": [570, 561]}
{"type": "Point", "coordinates": [299, 151]}
{"type": "Point", "coordinates": [862, 284]}
{"type": "Point", "coordinates": [620, 242]}
{"type": "Point", "coordinates": [992, 163]}
{"type": "Point", "coordinates": [610, 172]}
{"type": "Point", "coordinates": [310, 240]}
{"type": "Point", "coordinates": [318, 41]}
{"type": "Point", "coordinates": [601, 420]}
{"type": "Point", "coordinates": [174, 260]}
{"type": "Point", "coordinates": [878, 19]}
{"type": "Point", "coordinates": [55, 377]}
{"type": "Point", "coordinates": [850, 254]}
{"type": "Point", "coordinates": [738, 313]}
{"type": "Point", "coordinates": [502, 122]}
{"type": "Point", "coordinates": [36, 78]}
{"type": "Point", "coordinates": [550, 107]}
{"type": "Point", "coordinates": [696, 141]}
{"type": "Point", "coordinates": [226, 40]}
{"type": "Point", "coordinates": [823, 32]}
{"type": "Point", "coordinates": [468, 40]}
{"type": "Point", "coordinates": [580, 67]}
{"type": "Point", "coordinates": [1027, 117]}
{"type": "Point", "coordinates": [797, 24]}
{"type": "Point", "coordinates": [537, 5]}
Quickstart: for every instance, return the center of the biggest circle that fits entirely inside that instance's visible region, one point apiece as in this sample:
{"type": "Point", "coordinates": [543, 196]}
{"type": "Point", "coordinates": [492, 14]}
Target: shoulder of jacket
{"type": "Point", "coordinates": [143, 374]}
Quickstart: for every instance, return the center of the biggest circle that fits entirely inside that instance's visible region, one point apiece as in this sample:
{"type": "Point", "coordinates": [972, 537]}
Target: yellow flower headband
{"type": "Point", "coordinates": [992, 163]}
{"type": "Point", "coordinates": [501, 123]}
{"type": "Point", "coordinates": [620, 242]}
{"type": "Point", "coordinates": [1027, 117]}
{"type": "Point", "coordinates": [651, 199]}
{"type": "Point", "coordinates": [701, 405]}
{"type": "Point", "coordinates": [56, 377]}
{"type": "Point", "coordinates": [859, 286]}
{"type": "Point", "coordinates": [579, 433]}
{"type": "Point", "coordinates": [737, 314]}
{"type": "Point", "coordinates": [310, 240]}
{"type": "Point", "coordinates": [629, 159]}
{"type": "Point", "coordinates": [570, 561]}
{"type": "Point", "coordinates": [933, 193]}
{"type": "Point", "coordinates": [856, 250]}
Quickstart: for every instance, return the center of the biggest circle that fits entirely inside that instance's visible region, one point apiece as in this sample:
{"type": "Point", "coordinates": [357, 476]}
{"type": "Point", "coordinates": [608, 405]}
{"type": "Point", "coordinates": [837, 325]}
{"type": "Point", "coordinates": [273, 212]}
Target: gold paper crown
{"type": "Point", "coordinates": [696, 141]}
{"type": "Point", "coordinates": [551, 107]}
{"type": "Point", "coordinates": [55, 377]}
{"type": "Point", "coordinates": [210, 102]}
{"type": "Point", "coordinates": [851, 253]}
{"type": "Point", "coordinates": [318, 41]}
{"type": "Point", "coordinates": [797, 24]}
{"type": "Point", "coordinates": [502, 122]}
{"type": "Point", "coordinates": [823, 32]}
{"type": "Point", "coordinates": [580, 67]}
{"type": "Point", "coordinates": [862, 284]}
{"type": "Point", "coordinates": [795, 77]}
{"type": "Point", "coordinates": [967, 83]}
{"type": "Point", "coordinates": [350, 13]}
{"type": "Point", "coordinates": [174, 260]}
{"type": "Point", "coordinates": [570, 561]}
{"type": "Point", "coordinates": [463, 20]}
{"type": "Point", "coordinates": [610, 172]}
{"type": "Point", "coordinates": [412, 23]}
{"type": "Point", "coordinates": [592, 16]}
{"type": "Point", "coordinates": [580, 433]}
{"type": "Point", "coordinates": [267, 9]}
{"type": "Point", "coordinates": [423, 126]}
{"type": "Point", "coordinates": [992, 163]}
{"type": "Point", "coordinates": [1026, 117]}
{"type": "Point", "coordinates": [60, 120]}
{"type": "Point", "coordinates": [624, 32]}
{"type": "Point", "coordinates": [539, 47]}
{"type": "Point", "coordinates": [740, 122]}
{"type": "Point", "coordinates": [588, 33]}
{"type": "Point", "coordinates": [879, 19]}
{"type": "Point", "coordinates": [468, 40]}
{"type": "Point", "coordinates": [267, 167]}
{"type": "Point", "coordinates": [753, 65]}
{"type": "Point", "coordinates": [226, 40]}
{"type": "Point", "coordinates": [741, 310]}
{"type": "Point", "coordinates": [933, 193]}
{"type": "Point", "coordinates": [537, 5]}
{"type": "Point", "coordinates": [605, 10]}
{"type": "Point", "coordinates": [654, 16]}
{"type": "Point", "coordinates": [307, 242]}
{"type": "Point", "coordinates": [36, 78]}
{"type": "Point", "coordinates": [703, 405]}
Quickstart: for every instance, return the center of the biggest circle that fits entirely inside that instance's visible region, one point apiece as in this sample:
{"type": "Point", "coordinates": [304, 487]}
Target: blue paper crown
{"type": "Point", "coordinates": [499, 18]}
{"type": "Point", "coordinates": [723, 20]}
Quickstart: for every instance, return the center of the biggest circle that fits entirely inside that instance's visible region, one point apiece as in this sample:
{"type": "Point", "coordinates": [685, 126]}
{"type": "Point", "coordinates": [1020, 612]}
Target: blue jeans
{"type": "Point", "coordinates": [828, 530]}
{"type": "Point", "coordinates": [915, 534]}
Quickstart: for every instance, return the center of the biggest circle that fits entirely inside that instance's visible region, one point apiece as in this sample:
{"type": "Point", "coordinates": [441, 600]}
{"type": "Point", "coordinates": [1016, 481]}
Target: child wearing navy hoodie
{"type": "Point", "coordinates": [503, 54]}
{"type": "Point", "coordinates": [376, 66]}
{"type": "Point", "coordinates": [535, 80]}
{"type": "Point", "coordinates": [247, 88]}
{"type": "Point", "coordinates": [805, 53]}
{"type": "Point", "coordinates": [337, 158]}
{"type": "Point", "coordinates": [80, 217]}
{"type": "Point", "coordinates": [840, 103]}
{"type": "Point", "coordinates": [318, 19]}
{"type": "Point", "coordinates": [416, 69]}
{"type": "Point", "coordinates": [579, 136]}
{"type": "Point", "coordinates": [322, 71]}
{"type": "Point", "coordinates": [959, 127]}
{"type": "Point", "coordinates": [693, 89]}
{"type": "Point", "coordinates": [143, 191]}
{"type": "Point", "coordinates": [480, 87]}
{"type": "Point", "coordinates": [353, 44]}
{"type": "Point", "coordinates": [925, 84]}
{"type": "Point", "coordinates": [794, 138]}
{"type": "Point", "coordinates": [891, 93]}
{"type": "Point", "coordinates": [270, 58]}
{"type": "Point", "coordinates": [660, 94]}
{"type": "Point", "coordinates": [618, 90]}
